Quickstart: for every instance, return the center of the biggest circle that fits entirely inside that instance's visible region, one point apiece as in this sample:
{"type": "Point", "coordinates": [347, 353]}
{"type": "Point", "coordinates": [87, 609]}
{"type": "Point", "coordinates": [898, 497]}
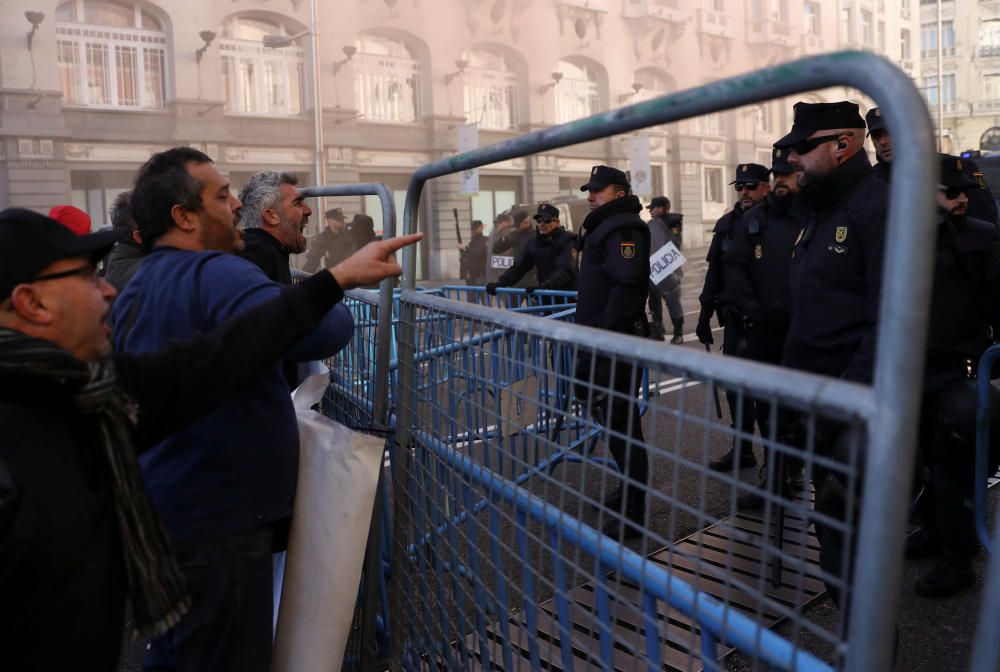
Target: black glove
{"type": "Point", "coordinates": [704, 329]}
{"type": "Point", "coordinates": [491, 288]}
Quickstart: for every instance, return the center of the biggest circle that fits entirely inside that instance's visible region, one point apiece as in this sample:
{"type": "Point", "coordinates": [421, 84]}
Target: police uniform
{"type": "Point", "coordinates": [876, 123]}
{"type": "Point", "coordinates": [613, 286]}
{"type": "Point", "coordinates": [965, 301]}
{"type": "Point", "coordinates": [982, 205]}
{"type": "Point", "coordinates": [733, 335]}
{"type": "Point", "coordinates": [834, 283]}
{"type": "Point", "coordinates": [474, 257]}
{"type": "Point", "coordinates": [329, 247]}
{"type": "Point", "coordinates": [553, 255]}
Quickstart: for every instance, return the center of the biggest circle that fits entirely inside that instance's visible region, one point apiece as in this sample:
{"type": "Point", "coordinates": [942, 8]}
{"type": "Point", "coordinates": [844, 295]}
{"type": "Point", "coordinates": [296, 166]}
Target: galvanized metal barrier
{"type": "Point", "coordinates": [484, 535]}
{"type": "Point", "coordinates": [358, 397]}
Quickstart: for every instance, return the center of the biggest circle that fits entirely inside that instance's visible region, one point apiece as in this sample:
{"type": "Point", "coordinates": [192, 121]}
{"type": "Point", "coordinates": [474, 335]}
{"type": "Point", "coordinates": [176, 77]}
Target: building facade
{"type": "Point", "coordinates": [90, 88]}
{"type": "Point", "coordinates": [969, 86]}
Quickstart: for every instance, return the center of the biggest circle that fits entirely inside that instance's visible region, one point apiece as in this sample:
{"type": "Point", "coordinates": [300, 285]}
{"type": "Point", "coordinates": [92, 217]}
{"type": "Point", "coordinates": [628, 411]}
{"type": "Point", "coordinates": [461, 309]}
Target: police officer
{"type": "Point", "coordinates": [613, 285]}
{"type": "Point", "coordinates": [965, 303]}
{"type": "Point", "coordinates": [664, 227]}
{"type": "Point", "coordinates": [513, 239]}
{"type": "Point", "coordinates": [473, 256]}
{"type": "Point", "coordinates": [751, 186]}
{"type": "Point", "coordinates": [879, 134]}
{"type": "Point", "coordinates": [756, 282]}
{"type": "Point", "coordinates": [331, 245]}
{"type": "Point", "coordinates": [834, 282]}
{"type": "Point", "coordinates": [550, 250]}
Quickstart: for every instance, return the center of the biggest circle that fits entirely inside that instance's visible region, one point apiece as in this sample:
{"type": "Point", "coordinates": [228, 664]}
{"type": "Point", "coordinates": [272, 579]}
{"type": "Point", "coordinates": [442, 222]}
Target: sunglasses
{"type": "Point", "coordinates": [544, 220]}
{"type": "Point", "coordinates": [87, 272]}
{"type": "Point", "coordinates": [803, 147]}
{"type": "Point", "coordinates": [749, 186]}
{"type": "Point", "coordinates": [951, 193]}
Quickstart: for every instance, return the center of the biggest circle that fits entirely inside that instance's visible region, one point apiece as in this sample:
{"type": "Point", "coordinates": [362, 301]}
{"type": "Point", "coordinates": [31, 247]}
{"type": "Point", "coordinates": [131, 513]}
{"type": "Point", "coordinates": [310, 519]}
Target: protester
{"type": "Point", "coordinates": [78, 535]}
{"type": "Point", "coordinates": [127, 253]}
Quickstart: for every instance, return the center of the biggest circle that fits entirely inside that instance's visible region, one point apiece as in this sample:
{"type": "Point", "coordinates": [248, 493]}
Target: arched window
{"type": "Point", "coordinates": [388, 80]}
{"type": "Point", "coordinates": [110, 54]}
{"type": "Point", "coordinates": [258, 80]}
{"type": "Point", "coordinates": [578, 93]}
{"type": "Point", "coordinates": [490, 90]}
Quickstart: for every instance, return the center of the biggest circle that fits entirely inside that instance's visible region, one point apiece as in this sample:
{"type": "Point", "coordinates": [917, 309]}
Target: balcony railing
{"type": "Point", "coordinates": [986, 107]}
{"type": "Point", "coordinates": [772, 32]}
{"type": "Point", "coordinates": [667, 10]}
{"type": "Point", "coordinates": [713, 23]}
{"type": "Point", "coordinates": [989, 50]}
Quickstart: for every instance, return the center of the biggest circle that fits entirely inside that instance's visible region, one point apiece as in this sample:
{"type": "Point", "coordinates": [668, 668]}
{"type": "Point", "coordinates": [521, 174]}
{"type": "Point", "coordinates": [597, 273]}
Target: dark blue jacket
{"type": "Point", "coordinates": [836, 273]}
{"type": "Point", "coordinates": [614, 268]}
{"type": "Point", "coordinates": [234, 470]}
{"type": "Point", "coordinates": [552, 255]}
{"type": "Point", "coordinates": [722, 235]}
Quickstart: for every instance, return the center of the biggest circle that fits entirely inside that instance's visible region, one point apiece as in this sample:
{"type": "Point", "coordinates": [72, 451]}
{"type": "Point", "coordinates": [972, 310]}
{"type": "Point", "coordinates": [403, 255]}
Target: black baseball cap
{"type": "Point", "coordinates": [779, 161]}
{"type": "Point", "coordinates": [602, 176]}
{"type": "Point", "coordinates": [812, 117]}
{"type": "Point", "coordinates": [30, 242]}
{"type": "Point", "coordinates": [953, 173]}
{"type": "Point", "coordinates": [547, 211]}
{"type": "Point", "coordinates": [659, 202]}
{"type": "Point", "coordinates": [751, 172]}
{"type": "Point", "coordinates": [875, 120]}
{"type": "Point", "coordinates": [336, 213]}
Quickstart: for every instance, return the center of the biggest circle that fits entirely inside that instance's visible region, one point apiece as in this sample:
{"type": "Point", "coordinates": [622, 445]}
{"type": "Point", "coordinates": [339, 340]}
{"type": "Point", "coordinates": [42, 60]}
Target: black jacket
{"type": "Point", "coordinates": [62, 579]}
{"type": "Point", "coordinates": [712, 290]}
{"type": "Point", "coordinates": [965, 299]}
{"type": "Point", "coordinates": [268, 253]}
{"type": "Point", "coordinates": [512, 240]}
{"type": "Point", "coordinates": [474, 260]}
{"type": "Point", "coordinates": [328, 249]}
{"type": "Point", "coordinates": [836, 273]}
{"type": "Point", "coordinates": [553, 255]}
{"type": "Point", "coordinates": [756, 274]}
{"type": "Point", "coordinates": [883, 171]}
{"type": "Point", "coordinates": [122, 263]}
{"type": "Point", "coordinates": [614, 268]}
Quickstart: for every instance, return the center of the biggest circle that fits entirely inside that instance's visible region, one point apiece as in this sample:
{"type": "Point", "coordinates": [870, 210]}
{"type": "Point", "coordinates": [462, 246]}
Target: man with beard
{"type": "Point", "coordinates": [879, 134]}
{"type": "Point", "coordinates": [274, 218]}
{"type": "Point", "coordinates": [834, 281]}
{"type": "Point", "coordinates": [613, 286]}
{"type": "Point", "coordinates": [331, 245]}
{"type": "Point", "coordinates": [550, 250]}
{"type": "Point", "coordinates": [224, 486]}
{"type": "Point", "coordinates": [78, 534]}
{"type": "Point", "coordinates": [665, 227]}
{"type": "Point", "coordinates": [965, 305]}
{"type": "Point", "coordinates": [752, 186]}
{"type": "Point", "coordinates": [756, 281]}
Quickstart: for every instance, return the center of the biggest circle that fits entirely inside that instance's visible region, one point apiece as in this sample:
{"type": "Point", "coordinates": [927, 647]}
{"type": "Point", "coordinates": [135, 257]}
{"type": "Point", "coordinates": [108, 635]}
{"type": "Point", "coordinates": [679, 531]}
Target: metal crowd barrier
{"type": "Point", "coordinates": [984, 385]}
{"type": "Point", "coordinates": [497, 560]}
{"type": "Point", "coordinates": [358, 397]}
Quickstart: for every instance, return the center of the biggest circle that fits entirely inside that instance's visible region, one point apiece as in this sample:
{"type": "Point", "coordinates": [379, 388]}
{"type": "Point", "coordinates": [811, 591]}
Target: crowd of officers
{"type": "Point", "coordinates": [794, 278]}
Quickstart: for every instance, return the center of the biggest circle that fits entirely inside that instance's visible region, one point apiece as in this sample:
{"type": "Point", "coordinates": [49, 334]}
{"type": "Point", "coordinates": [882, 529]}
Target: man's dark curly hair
{"type": "Point", "coordinates": [161, 183]}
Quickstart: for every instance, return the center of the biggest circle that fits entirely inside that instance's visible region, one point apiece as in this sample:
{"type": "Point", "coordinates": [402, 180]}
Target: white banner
{"type": "Point", "coordinates": [638, 163]}
{"type": "Point", "coordinates": [663, 262]}
{"type": "Point", "coordinates": [468, 140]}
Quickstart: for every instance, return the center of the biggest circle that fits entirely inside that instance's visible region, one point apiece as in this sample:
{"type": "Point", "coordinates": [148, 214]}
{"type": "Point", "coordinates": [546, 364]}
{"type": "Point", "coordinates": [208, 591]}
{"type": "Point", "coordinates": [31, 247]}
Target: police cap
{"type": "Point", "coordinates": [659, 202]}
{"type": "Point", "coordinates": [750, 172]}
{"type": "Point", "coordinates": [812, 117]}
{"type": "Point", "coordinates": [953, 173]}
{"type": "Point", "coordinates": [547, 211]}
{"type": "Point", "coordinates": [779, 162]}
{"type": "Point", "coordinates": [602, 176]}
{"type": "Point", "coordinates": [875, 121]}
{"type": "Point", "coordinates": [336, 213]}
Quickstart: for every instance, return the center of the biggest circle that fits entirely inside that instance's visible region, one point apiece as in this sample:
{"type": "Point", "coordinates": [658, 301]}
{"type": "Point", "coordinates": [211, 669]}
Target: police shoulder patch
{"type": "Point", "coordinates": [840, 235]}
{"type": "Point", "coordinates": [758, 251]}
{"type": "Point", "coordinates": [628, 250]}
{"type": "Point", "coordinates": [980, 179]}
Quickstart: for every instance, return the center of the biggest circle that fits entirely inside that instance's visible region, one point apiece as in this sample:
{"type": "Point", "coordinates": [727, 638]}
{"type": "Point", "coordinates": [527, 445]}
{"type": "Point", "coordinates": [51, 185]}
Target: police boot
{"type": "Point", "coordinates": [678, 332]}
{"type": "Point", "coordinates": [612, 502]}
{"type": "Point", "coordinates": [952, 574]}
{"type": "Point", "coordinates": [633, 524]}
{"type": "Point", "coordinates": [924, 543]}
{"type": "Point", "coordinates": [725, 463]}
{"type": "Point", "coordinates": [657, 331]}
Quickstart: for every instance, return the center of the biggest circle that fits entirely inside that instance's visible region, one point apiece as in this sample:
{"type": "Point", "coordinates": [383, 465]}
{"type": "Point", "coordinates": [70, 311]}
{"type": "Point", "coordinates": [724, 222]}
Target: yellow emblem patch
{"type": "Point", "coordinates": [958, 164]}
{"type": "Point", "coordinates": [758, 252]}
{"type": "Point", "coordinates": [980, 179]}
{"type": "Point", "coordinates": [743, 168]}
{"type": "Point", "coordinates": [628, 250]}
{"type": "Point", "coordinates": [840, 235]}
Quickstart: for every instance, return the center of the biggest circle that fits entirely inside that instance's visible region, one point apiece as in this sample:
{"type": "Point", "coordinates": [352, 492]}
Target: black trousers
{"type": "Point", "coordinates": [619, 413]}
{"type": "Point", "coordinates": [743, 411]}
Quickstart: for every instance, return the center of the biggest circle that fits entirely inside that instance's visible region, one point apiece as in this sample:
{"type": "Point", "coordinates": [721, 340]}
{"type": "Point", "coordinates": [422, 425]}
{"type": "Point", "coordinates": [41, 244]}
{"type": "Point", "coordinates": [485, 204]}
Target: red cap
{"type": "Point", "coordinates": [73, 218]}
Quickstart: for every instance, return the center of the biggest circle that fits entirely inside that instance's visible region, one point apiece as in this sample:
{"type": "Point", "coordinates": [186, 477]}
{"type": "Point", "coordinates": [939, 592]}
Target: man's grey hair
{"type": "Point", "coordinates": [263, 191]}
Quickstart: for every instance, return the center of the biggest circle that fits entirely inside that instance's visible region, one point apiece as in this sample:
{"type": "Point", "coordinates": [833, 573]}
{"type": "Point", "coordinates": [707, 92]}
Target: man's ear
{"type": "Point", "coordinates": [184, 219]}
{"type": "Point", "coordinates": [30, 305]}
{"type": "Point", "coordinates": [270, 216]}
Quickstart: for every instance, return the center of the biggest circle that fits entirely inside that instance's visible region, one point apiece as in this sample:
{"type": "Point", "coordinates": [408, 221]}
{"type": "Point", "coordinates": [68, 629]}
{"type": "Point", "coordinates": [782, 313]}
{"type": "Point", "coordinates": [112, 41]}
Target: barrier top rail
{"type": "Point", "coordinates": [384, 329]}
{"type": "Point", "coordinates": [906, 283]}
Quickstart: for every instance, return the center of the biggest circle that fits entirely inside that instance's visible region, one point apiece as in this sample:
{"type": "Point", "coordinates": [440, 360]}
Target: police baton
{"type": "Point", "coordinates": [458, 229]}
{"type": "Point", "coordinates": [715, 390]}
